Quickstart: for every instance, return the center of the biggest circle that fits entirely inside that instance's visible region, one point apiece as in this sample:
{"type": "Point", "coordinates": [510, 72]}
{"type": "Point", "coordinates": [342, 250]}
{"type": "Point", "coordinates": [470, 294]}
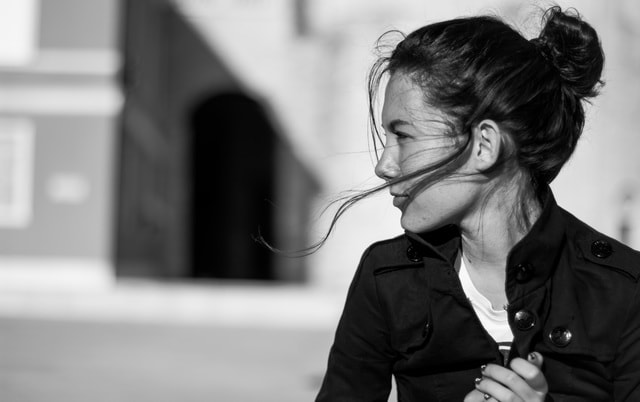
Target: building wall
{"type": "Point", "coordinates": [62, 94]}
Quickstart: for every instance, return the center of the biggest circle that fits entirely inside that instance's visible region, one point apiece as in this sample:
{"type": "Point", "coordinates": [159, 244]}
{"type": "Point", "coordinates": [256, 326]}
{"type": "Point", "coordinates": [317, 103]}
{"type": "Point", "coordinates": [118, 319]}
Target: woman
{"type": "Point", "coordinates": [493, 292]}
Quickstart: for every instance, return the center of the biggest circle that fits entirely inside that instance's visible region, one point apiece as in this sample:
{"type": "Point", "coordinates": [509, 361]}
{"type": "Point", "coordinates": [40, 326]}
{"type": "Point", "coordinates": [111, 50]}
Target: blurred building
{"type": "Point", "coordinates": [128, 148]}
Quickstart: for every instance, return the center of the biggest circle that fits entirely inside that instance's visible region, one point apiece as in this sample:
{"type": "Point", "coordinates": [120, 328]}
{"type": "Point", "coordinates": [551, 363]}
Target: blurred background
{"type": "Point", "coordinates": [145, 143]}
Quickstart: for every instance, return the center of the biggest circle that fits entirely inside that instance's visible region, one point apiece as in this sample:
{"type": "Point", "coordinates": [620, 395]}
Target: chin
{"type": "Point", "coordinates": [421, 223]}
{"type": "Point", "coordinates": [416, 227]}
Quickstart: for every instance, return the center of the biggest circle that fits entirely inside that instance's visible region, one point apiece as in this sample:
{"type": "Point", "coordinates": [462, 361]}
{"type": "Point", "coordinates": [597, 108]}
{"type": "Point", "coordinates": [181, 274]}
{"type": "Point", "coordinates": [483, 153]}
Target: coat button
{"type": "Point", "coordinates": [413, 254]}
{"type": "Point", "coordinates": [524, 272]}
{"type": "Point", "coordinates": [524, 320]}
{"type": "Point", "coordinates": [601, 248]}
{"type": "Point", "coordinates": [560, 336]}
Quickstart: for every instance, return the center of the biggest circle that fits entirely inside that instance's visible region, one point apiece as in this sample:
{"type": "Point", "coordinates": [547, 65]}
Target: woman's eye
{"type": "Point", "coordinates": [402, 136]}
{"type": "Point", "coordinates": [394, 137]}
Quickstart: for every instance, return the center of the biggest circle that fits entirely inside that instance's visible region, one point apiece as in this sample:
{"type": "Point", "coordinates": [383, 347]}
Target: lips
{"type": "Point", "coordinates": [399, 200]}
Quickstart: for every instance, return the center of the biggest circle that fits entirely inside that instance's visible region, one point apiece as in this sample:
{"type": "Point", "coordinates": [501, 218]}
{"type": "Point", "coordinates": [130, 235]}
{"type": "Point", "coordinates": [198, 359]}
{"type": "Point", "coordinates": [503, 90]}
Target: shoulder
{"type": "Point", "coordinates": [602, 250]}
{"type": "Point", "coordinates": [388, 254]}
{"type": "Point", "coordinates": [366, 293]}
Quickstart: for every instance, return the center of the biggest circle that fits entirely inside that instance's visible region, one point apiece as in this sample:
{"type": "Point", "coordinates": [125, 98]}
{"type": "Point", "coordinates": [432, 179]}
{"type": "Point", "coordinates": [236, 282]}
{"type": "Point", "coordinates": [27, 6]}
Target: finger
{"type": "Point", "coordinates": [536, 359]}
{"type": "Point", "coordinates": [473, 396]}
{"type": "Point", "coordinates": [493, 390]}
{"type": "Point", "coordinates": [529, 371]}
{"type": "Point", "coordinates": [514, 382]}
{"type": "Point", "coordinates": [477, 396]}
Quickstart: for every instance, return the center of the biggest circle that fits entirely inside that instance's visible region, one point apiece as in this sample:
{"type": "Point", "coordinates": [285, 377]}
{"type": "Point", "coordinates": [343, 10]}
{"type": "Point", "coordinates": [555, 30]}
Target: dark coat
{"type": "Point", "coordinates": [573, 297]}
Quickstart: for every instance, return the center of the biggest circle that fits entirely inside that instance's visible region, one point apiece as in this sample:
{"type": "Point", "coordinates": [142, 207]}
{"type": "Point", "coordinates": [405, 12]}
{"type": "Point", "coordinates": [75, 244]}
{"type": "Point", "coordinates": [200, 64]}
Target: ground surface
{"type": "Point", "coordinates": [44, 360]}
{"type": "Point", "coordinates": [148, 341]}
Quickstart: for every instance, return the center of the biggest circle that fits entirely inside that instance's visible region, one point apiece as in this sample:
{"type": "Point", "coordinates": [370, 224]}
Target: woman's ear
{"type": "Point", "coordinates": [487, 145]}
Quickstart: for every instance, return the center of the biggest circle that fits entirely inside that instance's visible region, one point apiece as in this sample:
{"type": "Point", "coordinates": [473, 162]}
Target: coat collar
{"type": "Point", "coordinates": [530, 262]}
{"type": "Point", "coordinates": [533, 259]}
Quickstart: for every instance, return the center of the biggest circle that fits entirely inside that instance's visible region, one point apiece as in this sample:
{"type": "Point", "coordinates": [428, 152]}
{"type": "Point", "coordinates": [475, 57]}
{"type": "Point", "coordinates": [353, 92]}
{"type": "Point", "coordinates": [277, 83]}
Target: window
{"type": "Point", "coordinates": [18, 31]}
{"type": "Point", "coordinates": [16, 172]}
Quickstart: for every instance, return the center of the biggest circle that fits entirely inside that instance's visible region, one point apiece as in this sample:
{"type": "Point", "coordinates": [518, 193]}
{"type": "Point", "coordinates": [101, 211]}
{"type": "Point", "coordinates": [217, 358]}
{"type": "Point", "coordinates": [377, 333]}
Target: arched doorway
{"type": "Point", "coordinates": [233, 147]}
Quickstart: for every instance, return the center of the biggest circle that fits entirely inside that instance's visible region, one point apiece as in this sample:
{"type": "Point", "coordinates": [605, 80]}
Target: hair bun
{"type": "Point", "coordinates": [573, 47]}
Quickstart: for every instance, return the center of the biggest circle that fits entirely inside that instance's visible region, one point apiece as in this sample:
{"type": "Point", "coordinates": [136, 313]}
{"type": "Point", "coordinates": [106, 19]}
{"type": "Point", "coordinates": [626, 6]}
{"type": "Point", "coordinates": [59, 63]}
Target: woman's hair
{"type": "Point", "coordinates": [479, 68]}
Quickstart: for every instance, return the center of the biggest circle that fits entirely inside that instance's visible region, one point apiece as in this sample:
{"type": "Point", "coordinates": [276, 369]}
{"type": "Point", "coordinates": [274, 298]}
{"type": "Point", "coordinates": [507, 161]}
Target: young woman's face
{"type": "Point", "coordinates": [418, 137]}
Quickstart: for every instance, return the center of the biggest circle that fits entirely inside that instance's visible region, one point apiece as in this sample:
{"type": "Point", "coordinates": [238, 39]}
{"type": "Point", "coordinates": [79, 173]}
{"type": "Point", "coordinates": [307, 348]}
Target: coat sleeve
{"type": "Point", "coordinates": [360, 359]}
{"type": "Point", "coordinates": [627, 364]}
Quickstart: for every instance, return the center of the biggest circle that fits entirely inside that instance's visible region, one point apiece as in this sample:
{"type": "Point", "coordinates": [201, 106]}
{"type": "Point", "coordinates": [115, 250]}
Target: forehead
{"type": "Point", "coordinates": [404, 100]}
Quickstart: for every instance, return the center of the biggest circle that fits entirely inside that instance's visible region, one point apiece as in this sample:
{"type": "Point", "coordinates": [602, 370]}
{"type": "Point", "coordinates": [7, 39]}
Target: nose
{"type": "Point", "coordinates": [387, 168]}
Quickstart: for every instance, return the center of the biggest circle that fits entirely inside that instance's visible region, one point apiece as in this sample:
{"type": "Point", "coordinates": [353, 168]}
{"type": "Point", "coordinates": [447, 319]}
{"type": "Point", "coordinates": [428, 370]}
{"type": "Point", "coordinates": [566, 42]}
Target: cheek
{"type": "Point", "coordinates": [412, 159]}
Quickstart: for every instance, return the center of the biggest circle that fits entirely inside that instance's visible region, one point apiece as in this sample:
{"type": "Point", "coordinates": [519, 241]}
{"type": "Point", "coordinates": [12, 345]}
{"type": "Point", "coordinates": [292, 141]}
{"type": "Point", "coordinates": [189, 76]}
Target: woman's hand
{"type": "Point", "coordinates": [524, 382]}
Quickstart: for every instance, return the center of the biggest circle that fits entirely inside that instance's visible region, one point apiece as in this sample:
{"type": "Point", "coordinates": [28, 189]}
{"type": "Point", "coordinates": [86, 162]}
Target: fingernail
{"type": "Point", "coordinates": [532, 356]}
{"type": "Point", "coordinates": [484, 366]}
{"type": "Point", "coordinates": [477, 380]}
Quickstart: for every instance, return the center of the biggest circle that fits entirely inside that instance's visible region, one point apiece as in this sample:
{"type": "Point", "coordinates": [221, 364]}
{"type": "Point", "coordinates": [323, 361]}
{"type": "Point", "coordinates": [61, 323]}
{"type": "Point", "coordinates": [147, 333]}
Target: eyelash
{"type": "Point", "coordinates": [400, 136]}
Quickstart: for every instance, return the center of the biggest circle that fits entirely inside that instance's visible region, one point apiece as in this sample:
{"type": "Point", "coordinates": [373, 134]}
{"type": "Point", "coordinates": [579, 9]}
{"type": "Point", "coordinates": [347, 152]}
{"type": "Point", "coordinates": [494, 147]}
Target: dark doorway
{"type": "Point", "coordinates": [233, 183]}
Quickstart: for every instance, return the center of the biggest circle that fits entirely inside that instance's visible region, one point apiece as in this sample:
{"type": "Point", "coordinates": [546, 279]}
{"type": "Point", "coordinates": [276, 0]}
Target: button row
{"type": "Point", "coordinates": [524, 320]}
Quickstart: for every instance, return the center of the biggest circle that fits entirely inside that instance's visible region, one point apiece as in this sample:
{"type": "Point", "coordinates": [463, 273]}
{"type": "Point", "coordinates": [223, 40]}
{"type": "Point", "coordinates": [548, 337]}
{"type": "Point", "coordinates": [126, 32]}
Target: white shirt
{"type": "Point", "coordinates": [494, 321]}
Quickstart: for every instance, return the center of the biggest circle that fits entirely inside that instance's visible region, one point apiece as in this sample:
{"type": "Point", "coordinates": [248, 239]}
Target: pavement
{"type": "Point", "coordinates": [144, 341]}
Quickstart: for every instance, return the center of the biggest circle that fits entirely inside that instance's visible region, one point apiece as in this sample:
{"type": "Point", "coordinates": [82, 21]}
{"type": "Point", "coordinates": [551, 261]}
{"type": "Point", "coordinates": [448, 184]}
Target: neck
{"type": "Point", "coordinates": [489, 234]}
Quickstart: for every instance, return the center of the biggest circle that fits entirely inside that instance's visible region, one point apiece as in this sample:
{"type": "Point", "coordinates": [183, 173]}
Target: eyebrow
{"type": "Point", "coordinates": [393, 124]}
